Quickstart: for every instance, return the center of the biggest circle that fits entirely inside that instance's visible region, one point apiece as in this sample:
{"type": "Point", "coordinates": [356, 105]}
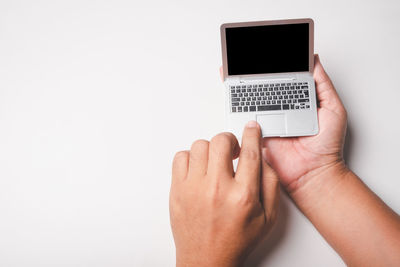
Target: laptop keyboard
{"type": "Point", "coordinates": [264, 97]}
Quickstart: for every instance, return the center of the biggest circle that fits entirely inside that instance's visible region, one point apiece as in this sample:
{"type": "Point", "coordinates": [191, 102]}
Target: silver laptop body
{"type": "Point", "coordinates": [267, 71]}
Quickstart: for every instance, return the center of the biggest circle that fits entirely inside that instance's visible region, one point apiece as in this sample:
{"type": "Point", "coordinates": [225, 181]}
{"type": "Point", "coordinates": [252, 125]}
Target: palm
{"type": "Point", "coordinates": [293, 157]}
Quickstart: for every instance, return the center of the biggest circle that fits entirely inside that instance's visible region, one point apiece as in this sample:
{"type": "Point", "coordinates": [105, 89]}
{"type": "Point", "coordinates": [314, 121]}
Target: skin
{"type": "Point", "coordinates": [354, 221]}
{"type": "Point", "coordinates": [216, 221]}
{"type": "Point", "coordinates": [218, 216]}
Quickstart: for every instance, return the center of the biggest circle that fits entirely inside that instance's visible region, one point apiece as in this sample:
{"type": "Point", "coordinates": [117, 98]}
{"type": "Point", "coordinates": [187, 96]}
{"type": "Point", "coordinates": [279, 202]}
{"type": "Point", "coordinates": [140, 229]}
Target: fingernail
{"type": "Point", "coordinates": [251, 124]}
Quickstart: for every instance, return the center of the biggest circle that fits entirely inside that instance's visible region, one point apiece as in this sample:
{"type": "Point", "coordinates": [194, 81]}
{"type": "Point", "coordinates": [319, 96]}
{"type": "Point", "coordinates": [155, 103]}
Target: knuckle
{"type": "Point", "coordinates": [179, 158]}
{"type": "Point", "coordinates": [181, 155]}
{"type": "Point", "coordinates": [244, 197]}
{"type": "Point", "coordinates": [251, 154]}
{"type": "Point", "coordinates": [222, 139]}
{"type": "Point", "coordinates": [199, 147]}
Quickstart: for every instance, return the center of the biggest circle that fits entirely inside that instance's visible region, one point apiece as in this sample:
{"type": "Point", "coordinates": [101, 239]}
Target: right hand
{"type": "Point", "coordinates": [293, 158]}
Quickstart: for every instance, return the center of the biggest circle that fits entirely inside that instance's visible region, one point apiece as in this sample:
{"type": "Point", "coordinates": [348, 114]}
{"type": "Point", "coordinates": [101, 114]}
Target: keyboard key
{"type": "Point", "coordinates": [235, 99]}
{"type": "Point", "coordinates": [234, 95]}
{"type": "Point", "coordinates": [235, 104]}
{"type": "Point", "coordinates": [270, 107]}
{"type": "Point", "coordinates": [239, 109]}
{"type": "Point", "coordinates": [233, 109]}
{"type": "Point", "coordinates": [245, 109]}
{"type": "Point", "coordinates": [304, 100]}
{"type": "Point", "coordinates": [285, 106]}
{"type": "Point", "coordinates": [257, 103]}
{"type": "Point", "coordinates": [252, 108]}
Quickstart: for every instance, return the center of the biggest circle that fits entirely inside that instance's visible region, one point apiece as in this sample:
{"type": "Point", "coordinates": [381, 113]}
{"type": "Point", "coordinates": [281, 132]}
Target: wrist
{"type": "Point", "coordinates": [209, 260]}
{"type": "Point", "coordinates": [316, 185]}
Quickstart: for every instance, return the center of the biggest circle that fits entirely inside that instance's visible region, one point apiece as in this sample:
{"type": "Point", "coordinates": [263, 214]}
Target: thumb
{"type": "Point", "coordinates": [269, 189]}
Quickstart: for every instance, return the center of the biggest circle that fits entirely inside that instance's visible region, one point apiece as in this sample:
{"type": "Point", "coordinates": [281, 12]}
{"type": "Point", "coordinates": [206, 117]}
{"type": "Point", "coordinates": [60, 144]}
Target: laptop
{"type": "Point", "coordinates": [268, 75]}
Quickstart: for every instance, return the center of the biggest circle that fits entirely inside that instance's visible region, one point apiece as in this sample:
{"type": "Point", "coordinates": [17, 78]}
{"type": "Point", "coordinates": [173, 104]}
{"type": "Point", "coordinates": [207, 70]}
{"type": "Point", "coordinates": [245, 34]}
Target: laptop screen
{"type": "Point", "coordinates": [267, 49]}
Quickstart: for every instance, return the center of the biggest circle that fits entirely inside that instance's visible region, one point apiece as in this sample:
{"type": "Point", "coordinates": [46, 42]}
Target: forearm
{"type": "Point", "coordinates": [357, 224]}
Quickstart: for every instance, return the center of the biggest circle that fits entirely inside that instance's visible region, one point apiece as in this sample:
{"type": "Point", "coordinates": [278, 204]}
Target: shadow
{"type": "Point", "coordinates": [348, 143]}
{"type": "Point", "coordinates": [274, 238]}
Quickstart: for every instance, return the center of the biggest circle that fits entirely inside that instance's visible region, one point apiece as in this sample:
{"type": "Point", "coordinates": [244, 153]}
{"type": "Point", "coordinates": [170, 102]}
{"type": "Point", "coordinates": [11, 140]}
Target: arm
{"type": "Point", "coordinates": [218, 216]}
{"type": "Point", "coordinates": [355, 222]}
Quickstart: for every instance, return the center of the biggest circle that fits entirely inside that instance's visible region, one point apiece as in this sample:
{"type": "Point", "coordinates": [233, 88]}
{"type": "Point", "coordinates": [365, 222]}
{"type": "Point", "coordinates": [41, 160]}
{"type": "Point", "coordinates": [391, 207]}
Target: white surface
{"type": "Point", "coordinates": [96, 97]}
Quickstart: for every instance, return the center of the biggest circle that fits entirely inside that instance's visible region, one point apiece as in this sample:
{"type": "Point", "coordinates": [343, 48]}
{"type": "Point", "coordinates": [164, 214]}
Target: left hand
{"type": "Point", "coordinates": [218, 216]}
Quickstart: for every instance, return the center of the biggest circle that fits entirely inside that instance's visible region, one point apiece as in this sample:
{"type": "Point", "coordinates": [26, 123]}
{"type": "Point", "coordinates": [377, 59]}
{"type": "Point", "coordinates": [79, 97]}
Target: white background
{"type": "Point", "coordinates": [97, 96]}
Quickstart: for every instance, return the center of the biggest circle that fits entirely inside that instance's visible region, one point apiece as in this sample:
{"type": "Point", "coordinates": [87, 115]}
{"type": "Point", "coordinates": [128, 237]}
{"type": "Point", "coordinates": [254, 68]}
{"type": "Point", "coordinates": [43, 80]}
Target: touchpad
{"type": "Point", "coordinates": [273, 124]}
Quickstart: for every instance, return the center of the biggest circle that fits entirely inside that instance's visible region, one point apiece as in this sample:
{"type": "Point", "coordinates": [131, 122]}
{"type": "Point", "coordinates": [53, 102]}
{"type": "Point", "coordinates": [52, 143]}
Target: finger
{"type": "Point", "coordinates": [269, 188]}
{"type": "Point", "coordinates": [180, 166]}
{"type": "Point", "coordinates": [326, 92]}
{"type": "Point", "coordinates": [222, 150]}
{"type": "Point", "coordinates": [221, 73]}
{"type": "Point", "coordinates": [198, 160]}
{"type": "Point", "coordinates": [248, 170]}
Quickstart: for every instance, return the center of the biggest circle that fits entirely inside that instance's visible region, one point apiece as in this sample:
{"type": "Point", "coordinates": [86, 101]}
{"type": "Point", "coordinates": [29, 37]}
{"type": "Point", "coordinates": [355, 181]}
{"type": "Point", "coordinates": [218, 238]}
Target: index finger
{"type": "Point", "coordinates": [248, 170]}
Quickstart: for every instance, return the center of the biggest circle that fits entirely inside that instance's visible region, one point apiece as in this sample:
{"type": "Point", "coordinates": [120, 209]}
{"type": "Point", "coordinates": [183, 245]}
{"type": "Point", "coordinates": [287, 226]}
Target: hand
{"type": "Point", "coordinates": [218, 216]}
{"type": "Point", "coordinates": [293, 158]}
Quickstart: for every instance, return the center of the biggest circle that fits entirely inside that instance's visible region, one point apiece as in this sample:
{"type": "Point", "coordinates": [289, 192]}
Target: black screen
{"type": "Point", "coordinates": [267, 49]}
